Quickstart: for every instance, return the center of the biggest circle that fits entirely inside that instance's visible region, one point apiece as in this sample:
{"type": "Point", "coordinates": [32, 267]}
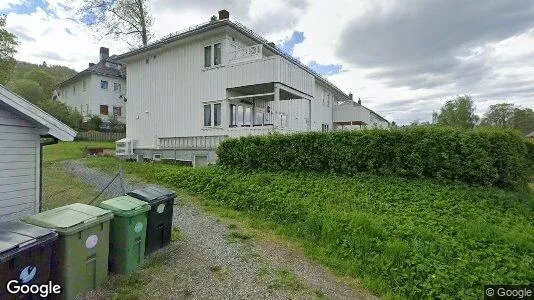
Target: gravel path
{"type": "Point", "coordinates": [218, 260]}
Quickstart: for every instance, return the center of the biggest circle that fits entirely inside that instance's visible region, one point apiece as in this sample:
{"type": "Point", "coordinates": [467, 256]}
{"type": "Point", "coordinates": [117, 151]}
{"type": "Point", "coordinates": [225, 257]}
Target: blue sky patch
{"type": "Point", "coordinates": [26, 8]}
{"type": "Point", "coordinates": [324, 69]}
{"type": "Point", "coordinates": [296, 38]}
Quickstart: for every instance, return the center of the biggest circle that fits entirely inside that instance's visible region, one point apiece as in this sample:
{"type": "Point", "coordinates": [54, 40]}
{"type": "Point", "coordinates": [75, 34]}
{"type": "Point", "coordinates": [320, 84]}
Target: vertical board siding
{"type": "Point", "coordinates": [18, 167]}
{"type": "Point", "coordinates": [166, 91]}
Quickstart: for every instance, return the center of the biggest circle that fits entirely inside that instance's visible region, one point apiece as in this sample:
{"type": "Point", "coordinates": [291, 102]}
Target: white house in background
{"type": "Point", "coordinates": [23, 129]}
{"type": "Point", "coordinates": [353, 115]}
{"type": "Point", "coordinates": [192, 89]}
{"type": "Point", "coordinates": [97, 90]}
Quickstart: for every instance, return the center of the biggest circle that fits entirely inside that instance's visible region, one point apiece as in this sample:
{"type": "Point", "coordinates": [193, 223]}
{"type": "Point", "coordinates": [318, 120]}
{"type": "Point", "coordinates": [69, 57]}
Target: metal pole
{"type": "Point", "coordinates": [121, 179]}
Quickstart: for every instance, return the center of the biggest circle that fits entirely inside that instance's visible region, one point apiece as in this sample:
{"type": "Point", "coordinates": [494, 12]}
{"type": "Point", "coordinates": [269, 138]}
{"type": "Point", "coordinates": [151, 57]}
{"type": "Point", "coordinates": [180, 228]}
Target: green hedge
{"type": "Point", "coordinates": [486, 156]}
{"type": "Point", "coordinates": [530, 156]}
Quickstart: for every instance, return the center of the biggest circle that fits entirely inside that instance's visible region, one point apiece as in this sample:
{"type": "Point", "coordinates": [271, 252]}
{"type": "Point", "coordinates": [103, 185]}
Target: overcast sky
{"type": "Point", "coordinates": [403, 58]}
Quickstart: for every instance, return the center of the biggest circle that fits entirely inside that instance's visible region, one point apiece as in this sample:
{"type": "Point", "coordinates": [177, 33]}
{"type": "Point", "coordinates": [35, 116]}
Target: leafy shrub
{"type": "Point", "coordinates": [530, 156]}
{"type": "Point", "coordinates": [484, 156]}
{"type": "Point", "coordinates": [404, 238]}
{"type": "Point", "coordinates": [115, 125]}
{"type": "Point", "coordinates": [62, 112]}
{"type": "Point", "coordinates": [94, 123]}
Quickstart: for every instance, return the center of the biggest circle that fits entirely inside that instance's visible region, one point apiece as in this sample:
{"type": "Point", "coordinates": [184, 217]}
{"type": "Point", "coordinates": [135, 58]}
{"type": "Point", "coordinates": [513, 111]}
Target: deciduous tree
{"type": "Point", "coordinates": [459, 112]}
{"type": "Point", "coordinates": [8, 45]}
{"type": "Point", "coordinates": [128, 20]}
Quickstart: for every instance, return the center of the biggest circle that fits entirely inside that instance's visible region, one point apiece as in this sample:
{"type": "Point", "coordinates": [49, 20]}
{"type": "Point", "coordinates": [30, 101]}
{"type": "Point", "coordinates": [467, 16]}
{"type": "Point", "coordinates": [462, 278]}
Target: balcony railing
{"type": "Point", "coordinates": [190, 142]}
{"type": "Point", "coordinates": [245, 54]}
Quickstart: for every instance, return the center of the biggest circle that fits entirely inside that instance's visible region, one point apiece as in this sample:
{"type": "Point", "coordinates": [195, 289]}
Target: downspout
{"type": "Point", "coordinates": [42, 144]}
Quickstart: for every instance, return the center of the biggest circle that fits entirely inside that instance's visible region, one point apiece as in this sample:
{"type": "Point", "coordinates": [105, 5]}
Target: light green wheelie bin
{"type": "Point", "coordinates": [127, 234]}
{"type": "Point", "coordinates": [81, 262]}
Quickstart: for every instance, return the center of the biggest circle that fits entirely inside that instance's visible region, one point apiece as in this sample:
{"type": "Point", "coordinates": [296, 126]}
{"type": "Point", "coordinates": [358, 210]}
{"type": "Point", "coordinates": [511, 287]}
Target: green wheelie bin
{"type": "Point", "coordinates": [82, 249]}
{"type": "Point", "coordinates": [127, 234]}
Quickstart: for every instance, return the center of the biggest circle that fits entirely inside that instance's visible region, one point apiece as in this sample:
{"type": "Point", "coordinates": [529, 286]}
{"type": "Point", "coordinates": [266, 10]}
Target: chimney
{"type": "Point", "coordinates": [359, 101]}
{"type": "Point", "coordinates": [224, 14]}
{"type": "Point", "coordinates": [91, 64]}
{"type": "Point", "coordinates": [104, 53]}
{"type": "Point", "coordinates": [350, 96]}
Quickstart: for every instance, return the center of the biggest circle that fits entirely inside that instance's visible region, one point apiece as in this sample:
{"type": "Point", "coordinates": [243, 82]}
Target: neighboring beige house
{"type": "Point", "coordinates": [22, 128]}
{"type": "Point", "coordinates": [98, 90]}
{"type": "Point", "coordinates": [190, 90]}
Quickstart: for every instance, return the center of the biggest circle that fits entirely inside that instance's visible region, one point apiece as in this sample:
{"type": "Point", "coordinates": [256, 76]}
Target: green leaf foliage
{"type": "Point", "coordinates": [27, 89]}
{"type": "Point", "coordinates": [403, 238]}
{"type": "Point", "coordinates": [486, 156]}
{"type": "Point", "coordinates": [8, 44]}
{"type": "Point", "coordinates": [62, 112]}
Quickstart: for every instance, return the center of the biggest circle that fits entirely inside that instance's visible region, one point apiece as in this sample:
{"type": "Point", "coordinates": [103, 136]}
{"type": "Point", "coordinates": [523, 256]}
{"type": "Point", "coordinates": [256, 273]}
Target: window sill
{"type": "Point", "coordinates": [212, 128]}
{"type": "Point", "coordinates": [212, 67]}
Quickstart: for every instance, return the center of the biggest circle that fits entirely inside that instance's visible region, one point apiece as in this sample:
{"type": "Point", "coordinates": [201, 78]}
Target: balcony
{"type": "Point", "coordinates": [245, 54]}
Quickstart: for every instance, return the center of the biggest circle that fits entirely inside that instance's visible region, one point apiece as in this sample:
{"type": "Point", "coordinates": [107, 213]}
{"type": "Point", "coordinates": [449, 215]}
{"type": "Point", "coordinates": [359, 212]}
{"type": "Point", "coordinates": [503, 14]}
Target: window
{"type": "Point", "coordinates": [207, 56]}
{"type": "Point", "coordinates": [259, 118]}
{"type": "Point", "coordinates": [324, 127]}
{"type": "Point", "coordinates": [239, 115]}
{"type": "Point", "coordinates": [103, 84]}
{"type": "Point", "coordinates": [83, 86]}
{"type": "Point", "coordinates": [117, 111]}
{"type": "Point", "coordinates": [104, 110]}
{"type": "Point", "coordinates": [217, 54]}
{"type": "Point", "coordinates": [217, 114]}
{"type": "Point", "coordinates": [117, 87]}
{"type": "Point", "coordinates": [233, 115]}
{"type": "Point", "coordinates": [207, 115]}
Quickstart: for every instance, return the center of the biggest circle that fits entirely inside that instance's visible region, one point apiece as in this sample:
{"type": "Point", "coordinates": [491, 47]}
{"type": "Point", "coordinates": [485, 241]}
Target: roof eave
{"type": "Point", "coordinates": [55, 127]}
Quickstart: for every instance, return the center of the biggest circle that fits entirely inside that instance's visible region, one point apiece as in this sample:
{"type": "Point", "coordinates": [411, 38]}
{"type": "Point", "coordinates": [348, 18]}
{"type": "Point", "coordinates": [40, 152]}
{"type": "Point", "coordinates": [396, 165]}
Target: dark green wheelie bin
{"type": "Point", "coordinates": [127, 233]}
{"type": "Point", "coordinates": [26, 253]}
{"type": "Point", "coordinates": [159, 223]}
{"type": "Point", "coordinates": [83, 246]}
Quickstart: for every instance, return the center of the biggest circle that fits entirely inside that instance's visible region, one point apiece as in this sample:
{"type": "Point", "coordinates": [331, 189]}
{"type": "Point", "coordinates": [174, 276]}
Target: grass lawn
{"type": "Point", "coordinates": [402, 238]}
{"type": "Point", "coordinates": [71, 150]}
{"type": "Point", "coordinates": [59, 187]}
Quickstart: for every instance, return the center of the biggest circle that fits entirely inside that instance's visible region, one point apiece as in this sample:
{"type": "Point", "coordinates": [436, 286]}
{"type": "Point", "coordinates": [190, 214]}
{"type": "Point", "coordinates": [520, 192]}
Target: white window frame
{"type": "Point", "coordinates": [212, 114]}
{"type": "Point", "coordinates": [212, 44]}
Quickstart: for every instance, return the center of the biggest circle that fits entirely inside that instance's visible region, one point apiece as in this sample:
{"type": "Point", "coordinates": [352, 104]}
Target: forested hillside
{"type": "Point", "coordinates": [37, 82]}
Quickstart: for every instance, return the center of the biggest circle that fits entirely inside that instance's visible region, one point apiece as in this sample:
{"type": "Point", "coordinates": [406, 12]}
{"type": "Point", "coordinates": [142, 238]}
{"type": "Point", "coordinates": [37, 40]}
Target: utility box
{"type": "Point", "coordinates": [127, 233]}
{"type": "Point", "coordinates": [26, 253]}
{"type": "Point", "coordinates": [159, 225]}
{"type": "Point", "coordinates": [83, 246]}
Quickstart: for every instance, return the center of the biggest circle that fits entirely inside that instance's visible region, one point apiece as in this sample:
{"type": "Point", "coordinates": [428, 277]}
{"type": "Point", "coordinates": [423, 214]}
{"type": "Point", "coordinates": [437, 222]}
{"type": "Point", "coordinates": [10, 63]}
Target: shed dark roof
{"type": "Point", "coordinates": [103, 68]}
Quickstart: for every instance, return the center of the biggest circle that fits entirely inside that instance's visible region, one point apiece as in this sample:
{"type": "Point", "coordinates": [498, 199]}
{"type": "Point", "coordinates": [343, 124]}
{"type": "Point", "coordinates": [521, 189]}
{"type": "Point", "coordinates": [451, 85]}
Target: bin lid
{"type": "Point", "coordinates": [125, 206]}
{"type": "Point", "coordinates": [70, 219]}
{"type": "Point", "coordinates": [152, 194]}
{"type": "Point", "coordinates": [17, 235]}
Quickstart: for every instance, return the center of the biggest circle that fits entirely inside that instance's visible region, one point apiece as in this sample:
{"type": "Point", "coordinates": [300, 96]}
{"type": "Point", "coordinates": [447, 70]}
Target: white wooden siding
{"type": "Point", "coordinates": [19, 157]}
{"type": "Point", "coordinates": [166, 90]}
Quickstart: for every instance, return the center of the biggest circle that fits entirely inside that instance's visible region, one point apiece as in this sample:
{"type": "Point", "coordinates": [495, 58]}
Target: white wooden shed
{"type": "Point", "coordinates": [22, 126]}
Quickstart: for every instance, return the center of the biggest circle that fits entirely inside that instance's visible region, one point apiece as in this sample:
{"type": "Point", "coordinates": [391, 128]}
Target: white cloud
{"type": "Point", "coordinates": [494, 71]}
{"type": "Point", "coordinates": [6, 4]}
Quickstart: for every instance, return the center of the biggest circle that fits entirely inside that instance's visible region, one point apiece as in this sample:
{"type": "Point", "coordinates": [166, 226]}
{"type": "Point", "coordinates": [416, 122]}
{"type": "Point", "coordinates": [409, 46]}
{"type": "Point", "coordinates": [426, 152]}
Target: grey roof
{"type": "Point", "coordinates": [531, 134]}
{"type": "Point", "coordinates": [238, 27]}
{"type": "Point", "coordinates": [100, 68]}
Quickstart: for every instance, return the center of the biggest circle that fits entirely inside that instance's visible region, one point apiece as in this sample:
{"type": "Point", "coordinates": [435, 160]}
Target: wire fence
{"type": "Point", "coordinates": [108, 186]}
